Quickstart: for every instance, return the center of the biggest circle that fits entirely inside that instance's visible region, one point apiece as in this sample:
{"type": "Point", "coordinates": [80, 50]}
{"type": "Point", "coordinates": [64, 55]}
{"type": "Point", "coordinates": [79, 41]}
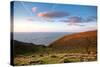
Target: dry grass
{"type": "Point", "coordinates": [54, 58]}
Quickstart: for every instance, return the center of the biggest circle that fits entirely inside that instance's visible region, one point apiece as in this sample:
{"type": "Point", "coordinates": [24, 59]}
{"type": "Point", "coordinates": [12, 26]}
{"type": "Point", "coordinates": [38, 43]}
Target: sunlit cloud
{"type": "Point", "coordinates": [53, 14]}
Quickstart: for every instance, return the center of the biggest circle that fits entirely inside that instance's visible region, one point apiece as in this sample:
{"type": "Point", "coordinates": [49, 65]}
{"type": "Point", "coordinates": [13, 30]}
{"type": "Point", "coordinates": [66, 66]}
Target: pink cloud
{"type": "Point", "coordinates": [52, 14]}
{"type": "Point", "coordinates": [42, 14]}
{"type": "Point", "coordinates": [34, 9]}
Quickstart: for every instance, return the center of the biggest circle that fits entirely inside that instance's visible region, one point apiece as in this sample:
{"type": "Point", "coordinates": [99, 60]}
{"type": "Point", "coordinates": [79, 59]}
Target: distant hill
{"type": "Point", "coordinates": [84, 41]}
{"type": "Point", "coordinates": [25, 48]}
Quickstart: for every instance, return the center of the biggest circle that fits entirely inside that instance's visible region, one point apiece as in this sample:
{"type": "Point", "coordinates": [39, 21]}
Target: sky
{"type": "Point", "coordinates": [50, 17]}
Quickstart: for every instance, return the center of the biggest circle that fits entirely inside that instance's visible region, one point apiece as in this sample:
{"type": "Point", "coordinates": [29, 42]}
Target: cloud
{"type": "Point", "coordinates": [53, 14]}
{"type": "Point", "coordinates": [75, 19]}
{"type": "Point", "coordinates": [91, 19]}
{"type": "Point", "coordinates": [33, 19]}
{"type": "Point", "coordinates": [79, 21]}
{"type": "Point", "coordinates": [34, 9]}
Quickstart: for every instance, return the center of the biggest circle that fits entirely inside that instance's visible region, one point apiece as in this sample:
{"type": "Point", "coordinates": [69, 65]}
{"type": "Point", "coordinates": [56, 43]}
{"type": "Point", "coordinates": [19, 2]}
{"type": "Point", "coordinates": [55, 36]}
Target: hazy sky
{"type": "Point", "coordinates": [46, 17]}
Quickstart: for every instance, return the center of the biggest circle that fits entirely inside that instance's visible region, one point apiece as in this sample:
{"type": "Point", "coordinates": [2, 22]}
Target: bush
{"type": "Point", "coordinates": [54, 56]}
{"type": "Point", "coordinates": [37, 62]}
{"type": "Point", "coordinates": [91, 59]}
{"type": "Point", "coordinates": [33, 56]}
{"type": "Point", "coordinates": [41, 62]}
{"type": "Point", "coordinates": [41, 55]}
{"type": "Point", "coordinates": [66, 61]}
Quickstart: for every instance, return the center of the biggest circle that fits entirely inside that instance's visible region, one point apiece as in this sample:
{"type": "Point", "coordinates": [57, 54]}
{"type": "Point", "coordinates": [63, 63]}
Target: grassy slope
{"type": "Point", "coordinates": [79, 41]}
{"type": "Point", "coordinates": [21, 48]}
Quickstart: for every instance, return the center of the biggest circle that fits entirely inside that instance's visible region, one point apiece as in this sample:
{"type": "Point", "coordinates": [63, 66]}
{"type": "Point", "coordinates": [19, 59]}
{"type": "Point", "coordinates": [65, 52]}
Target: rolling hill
{"type": "Point", "coordinates": [84, 41]}
{"type": "Point", "coordinates": [25, 48]}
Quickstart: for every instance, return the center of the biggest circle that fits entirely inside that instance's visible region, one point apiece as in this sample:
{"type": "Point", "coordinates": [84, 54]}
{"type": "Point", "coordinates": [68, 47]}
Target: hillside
{"type": "Point", "coordinates": [84, 41]}
{"type": "Point", "coordinates": [25, 48]}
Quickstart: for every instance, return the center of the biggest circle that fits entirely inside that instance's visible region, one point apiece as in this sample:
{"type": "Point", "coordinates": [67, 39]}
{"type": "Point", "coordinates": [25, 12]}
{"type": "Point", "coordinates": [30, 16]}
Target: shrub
{"type": "Point", "coordinates": [33, 56]}
{"type": "Point", "coordinates": [54, 56]}
{"type": "Point", "coordinates": [37, 62]}
{"type": "Point", "coordinates": [66, 61]}
{"type": "Point", "coordinates": [41, 55]}
{"type": "Point", "coordinates": [41, 62]}
{"type": "Point", "coordinates": [65, 55]}
{"type": "Point", "coordinates": [34, 62]}
{"type": "Point", "coordinates": [91, 59]}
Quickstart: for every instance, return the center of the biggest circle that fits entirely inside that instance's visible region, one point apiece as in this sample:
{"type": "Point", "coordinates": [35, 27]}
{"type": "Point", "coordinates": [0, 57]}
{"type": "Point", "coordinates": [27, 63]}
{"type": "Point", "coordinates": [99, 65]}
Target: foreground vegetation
{"type": "Point", "coordinates": [53, 58]}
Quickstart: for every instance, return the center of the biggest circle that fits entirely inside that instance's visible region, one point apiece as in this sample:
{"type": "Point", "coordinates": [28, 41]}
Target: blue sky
{"type": "Point", "coordinates": [49, 17]}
